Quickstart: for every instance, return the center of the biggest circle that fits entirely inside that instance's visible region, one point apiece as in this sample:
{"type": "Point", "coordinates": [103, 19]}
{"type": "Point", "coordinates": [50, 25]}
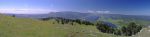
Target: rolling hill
{"type": "Point", "coordinates": [84, 16]}
{"type": "Point", "coordinates": [92, 17]}
{"type": "Point", "coordinates": [25, 27]}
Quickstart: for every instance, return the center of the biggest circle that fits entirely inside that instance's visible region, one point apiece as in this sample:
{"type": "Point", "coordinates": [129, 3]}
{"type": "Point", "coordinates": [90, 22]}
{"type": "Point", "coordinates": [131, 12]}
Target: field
{"type": "Point", "coordinates": [25, 27]}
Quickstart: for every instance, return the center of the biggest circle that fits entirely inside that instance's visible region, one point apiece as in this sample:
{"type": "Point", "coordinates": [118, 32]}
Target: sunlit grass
{"type": "Point", "coordinates": [23, 27]}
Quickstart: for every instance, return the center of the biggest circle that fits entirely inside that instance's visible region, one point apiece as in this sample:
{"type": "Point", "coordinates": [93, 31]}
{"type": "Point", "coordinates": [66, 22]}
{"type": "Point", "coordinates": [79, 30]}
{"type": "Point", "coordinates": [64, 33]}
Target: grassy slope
{"type": "Point", "coordinates": [144, 33]}
{"type": "Point", "coordinates": [22, 27]}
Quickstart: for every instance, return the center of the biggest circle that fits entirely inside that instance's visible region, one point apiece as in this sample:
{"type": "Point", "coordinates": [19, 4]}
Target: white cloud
{"type": "Point", "coordinates": [102, 11]}
{"type": "Point", "coordinates": [90, 11]}
{"type": "Point", "coordinates": [26, 11]}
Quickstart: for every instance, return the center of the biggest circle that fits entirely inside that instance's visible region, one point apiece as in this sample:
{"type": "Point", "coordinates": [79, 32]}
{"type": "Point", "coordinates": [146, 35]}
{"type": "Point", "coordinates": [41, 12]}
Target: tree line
{"type": "Point", "coordinates": [66, 21]}
{"type": "Point", "coordinates": [131, 29]}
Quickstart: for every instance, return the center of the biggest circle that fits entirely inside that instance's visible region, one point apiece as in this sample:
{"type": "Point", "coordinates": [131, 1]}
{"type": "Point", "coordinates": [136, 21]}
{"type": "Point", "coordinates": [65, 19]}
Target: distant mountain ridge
{"type": "Point", "coordinates": [83, 16]}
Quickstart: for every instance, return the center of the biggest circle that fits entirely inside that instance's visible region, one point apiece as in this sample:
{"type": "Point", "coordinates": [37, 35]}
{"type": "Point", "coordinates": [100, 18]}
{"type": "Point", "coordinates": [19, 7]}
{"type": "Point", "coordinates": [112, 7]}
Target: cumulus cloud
{"type": "Point", "coordinates": [90, 11]}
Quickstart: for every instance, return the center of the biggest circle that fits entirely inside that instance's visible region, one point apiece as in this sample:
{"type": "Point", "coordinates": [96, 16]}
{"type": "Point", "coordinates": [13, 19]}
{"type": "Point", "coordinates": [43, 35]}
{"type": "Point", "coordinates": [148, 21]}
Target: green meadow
{"type": "Point", "coordinates": [25, 27]}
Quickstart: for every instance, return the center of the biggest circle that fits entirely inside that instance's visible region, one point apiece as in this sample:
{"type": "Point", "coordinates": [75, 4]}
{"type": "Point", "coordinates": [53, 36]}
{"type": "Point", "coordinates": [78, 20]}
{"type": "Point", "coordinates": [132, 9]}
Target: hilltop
{"type": "Point", "coordinates": [25, 27]}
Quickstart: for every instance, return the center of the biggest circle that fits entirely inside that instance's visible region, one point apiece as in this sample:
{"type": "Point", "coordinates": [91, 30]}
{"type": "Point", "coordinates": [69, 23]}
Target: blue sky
{"type": "Point", "coordinates": [131, 7]}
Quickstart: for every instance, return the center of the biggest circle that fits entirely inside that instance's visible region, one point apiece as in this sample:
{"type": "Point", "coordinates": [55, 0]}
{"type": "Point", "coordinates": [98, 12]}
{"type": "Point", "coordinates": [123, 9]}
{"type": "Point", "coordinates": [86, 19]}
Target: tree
{"type": "Point", "coordinates": [13, 16]}
{"type": "Point", "coordinates": [45, 19]}
{"type": "Point", "coordinates": [131, 29]}
{"type": "Point", "coordinates": [105, 28]}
